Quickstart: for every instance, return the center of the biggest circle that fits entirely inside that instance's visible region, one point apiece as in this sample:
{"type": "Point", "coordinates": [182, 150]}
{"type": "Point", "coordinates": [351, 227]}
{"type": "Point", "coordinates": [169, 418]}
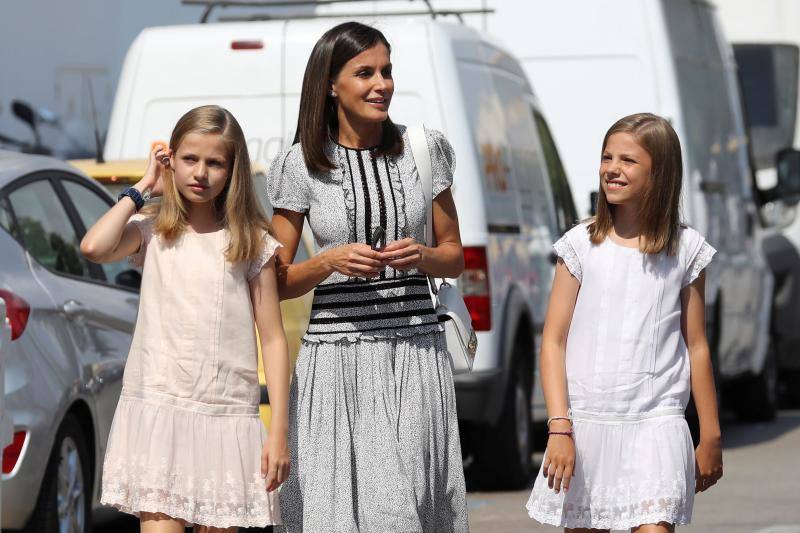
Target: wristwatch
{"type": "Point", "coordinates": [136, 196]}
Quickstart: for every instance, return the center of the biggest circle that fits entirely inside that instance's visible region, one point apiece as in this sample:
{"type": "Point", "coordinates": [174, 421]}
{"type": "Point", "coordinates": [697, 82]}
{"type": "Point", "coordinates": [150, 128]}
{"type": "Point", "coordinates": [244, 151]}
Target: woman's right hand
{"type": "Point", "coordinates": [157, 164]}
{"type": "Point", "coordinates": [559, 459]}
{"type": "Point", "coordinates": [356, 260]}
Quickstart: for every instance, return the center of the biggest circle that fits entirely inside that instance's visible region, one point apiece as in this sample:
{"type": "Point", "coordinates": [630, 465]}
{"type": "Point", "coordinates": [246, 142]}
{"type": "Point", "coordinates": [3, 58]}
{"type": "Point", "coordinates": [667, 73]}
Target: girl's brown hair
{"type": "Point", "coordinates": [317, 119]}
{"type": "Point", "coordinates": [237, 206]}
{"type": "Point", "coordinates": [659, 211]}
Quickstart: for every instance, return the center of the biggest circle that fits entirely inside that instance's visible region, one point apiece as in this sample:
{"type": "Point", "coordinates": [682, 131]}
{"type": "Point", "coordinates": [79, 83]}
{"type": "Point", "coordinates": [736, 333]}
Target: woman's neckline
{"type": "Point", "coordinates": [366, 149]}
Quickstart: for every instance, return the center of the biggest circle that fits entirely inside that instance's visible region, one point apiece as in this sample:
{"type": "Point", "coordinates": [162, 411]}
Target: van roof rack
{"type": "Point", "coordinates": [211, 4]}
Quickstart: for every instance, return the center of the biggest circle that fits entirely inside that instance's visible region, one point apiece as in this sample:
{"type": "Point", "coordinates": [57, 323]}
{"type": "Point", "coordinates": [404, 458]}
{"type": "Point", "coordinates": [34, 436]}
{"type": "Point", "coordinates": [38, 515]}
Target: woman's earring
{"type": "Point", "coordinates": [333, 94]}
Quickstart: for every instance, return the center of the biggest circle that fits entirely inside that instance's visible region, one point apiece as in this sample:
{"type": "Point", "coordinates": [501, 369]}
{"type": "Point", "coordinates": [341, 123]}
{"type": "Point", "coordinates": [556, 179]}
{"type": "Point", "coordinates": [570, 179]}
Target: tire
{"type": "Point", "coordinates": [758, 401]}
{"type": "Point", "coordinates": [69, 465]}
{"type": "Point", "coordinates": [502, 452]}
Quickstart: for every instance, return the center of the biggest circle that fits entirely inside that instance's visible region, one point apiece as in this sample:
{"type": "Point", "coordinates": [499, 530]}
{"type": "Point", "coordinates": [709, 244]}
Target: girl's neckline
{"type": "Point", "coordinates": [610, 239]}
{"type": "Point", "coordinates": [188, 231]}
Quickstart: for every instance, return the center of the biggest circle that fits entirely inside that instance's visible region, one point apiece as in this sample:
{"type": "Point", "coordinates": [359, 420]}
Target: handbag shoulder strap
{"type": "Point", "coordinates": [422, 159]}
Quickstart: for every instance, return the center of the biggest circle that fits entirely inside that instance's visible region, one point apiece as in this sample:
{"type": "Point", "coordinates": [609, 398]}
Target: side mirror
{"type": "Point", "coordinates": [129, 278]}
{"type": "Point", "coordinates": [787, 163]}
{"type": "Point", "coordinates": [24, 112]}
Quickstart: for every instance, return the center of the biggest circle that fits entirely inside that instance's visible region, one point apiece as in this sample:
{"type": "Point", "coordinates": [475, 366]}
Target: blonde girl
{"type": "Point", "coordinates": [187, 446]}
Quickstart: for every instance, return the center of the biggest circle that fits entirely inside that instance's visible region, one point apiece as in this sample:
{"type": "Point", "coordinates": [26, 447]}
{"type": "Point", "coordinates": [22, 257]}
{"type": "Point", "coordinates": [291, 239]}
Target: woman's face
{"type": "Point", "coordinates": [364, 87]}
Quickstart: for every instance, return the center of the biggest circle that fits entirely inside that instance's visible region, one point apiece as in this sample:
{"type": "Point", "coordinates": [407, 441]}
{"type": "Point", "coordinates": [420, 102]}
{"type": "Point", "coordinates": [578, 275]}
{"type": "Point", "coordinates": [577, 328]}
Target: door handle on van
{"type": "Point", "coordinates": [713, 186]}
{"type": "Point", "coordinates": [73, 308]}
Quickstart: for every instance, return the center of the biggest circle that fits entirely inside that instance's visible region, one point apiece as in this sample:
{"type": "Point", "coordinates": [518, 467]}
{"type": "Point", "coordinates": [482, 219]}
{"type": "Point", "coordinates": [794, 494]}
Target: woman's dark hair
{"type": "Point", "coordinates": [317, 119]}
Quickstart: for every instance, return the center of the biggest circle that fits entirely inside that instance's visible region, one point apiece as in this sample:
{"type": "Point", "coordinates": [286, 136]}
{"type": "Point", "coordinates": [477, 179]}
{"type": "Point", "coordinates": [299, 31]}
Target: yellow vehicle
{"type": "Point", "coordinates": [120, 174]}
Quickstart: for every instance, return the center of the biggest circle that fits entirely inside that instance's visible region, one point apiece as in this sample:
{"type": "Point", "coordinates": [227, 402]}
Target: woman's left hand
{"type": "Point", "coordinates": [275, 461]}
{"type": "Point", "coordinates": [405, 254]}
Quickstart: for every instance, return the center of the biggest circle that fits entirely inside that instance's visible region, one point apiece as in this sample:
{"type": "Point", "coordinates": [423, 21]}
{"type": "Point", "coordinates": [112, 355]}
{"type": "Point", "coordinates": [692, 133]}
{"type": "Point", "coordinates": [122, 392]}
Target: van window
{"type": "Point", "coordinates": [566, 214]}
{"type": "Point", "coordinates": [768, 73]}
{"type": "Point", "coordinates": [709, 101]}
{"type": "Point", "coordinates": [527, 161]}
{"type": "Point", "coordinates": [487, 124]}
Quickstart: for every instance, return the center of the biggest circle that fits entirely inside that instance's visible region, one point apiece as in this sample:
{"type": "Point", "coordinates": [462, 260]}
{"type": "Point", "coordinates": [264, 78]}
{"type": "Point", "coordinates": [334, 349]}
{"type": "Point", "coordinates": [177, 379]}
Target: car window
{"type": "Point", "coordinates": [6, 220]}
{"type": "Point", "coordinates": [91, 206]}
{"type": "Point", "coordinates": [559, 185]}
{"type": "Point", "coordinates": [46, 230]}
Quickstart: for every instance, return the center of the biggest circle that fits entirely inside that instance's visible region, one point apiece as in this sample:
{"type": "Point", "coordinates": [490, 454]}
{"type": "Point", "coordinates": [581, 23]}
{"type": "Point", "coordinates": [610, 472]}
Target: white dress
{"type": "Point", "coordinates": [186, 438]}
{"type": "Point", "coordinates": [628, 383]}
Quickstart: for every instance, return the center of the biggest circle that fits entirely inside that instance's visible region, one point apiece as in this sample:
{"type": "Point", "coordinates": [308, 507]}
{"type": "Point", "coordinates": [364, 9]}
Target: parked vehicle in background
{"type": "Point", "coordinates": [6, 425]}
{"type": "Point", "coordinates": [71, 324]}
{"type": "Point", "coordinates": [116, 175]}
{"type": "Point", "coordinates": [671, 60]}
{"type": "Point", "coordinates": [510, 187]}
{"type": "Point", "coordinates": [766, 42]}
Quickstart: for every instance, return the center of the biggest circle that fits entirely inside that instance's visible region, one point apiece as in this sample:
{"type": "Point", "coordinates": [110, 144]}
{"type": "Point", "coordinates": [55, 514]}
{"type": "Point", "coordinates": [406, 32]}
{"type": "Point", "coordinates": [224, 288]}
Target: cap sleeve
{"type": "Point", "coordinates": [145, 226]}
{"type": "Point", "coordinates": [443, 161]}
{"type": "Point", "coordinates": [269, 246]}
{"type": "Point", "coordinates": [287, 181]}
{"type": "Point", "coordinates": [699, 260]}
{"type": "Point", "coordinates": [566, 251]}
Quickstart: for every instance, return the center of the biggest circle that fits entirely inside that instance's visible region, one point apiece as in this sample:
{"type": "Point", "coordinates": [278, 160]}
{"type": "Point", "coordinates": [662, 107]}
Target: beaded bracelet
{"type": "Point", "coordinates": [567, 433]}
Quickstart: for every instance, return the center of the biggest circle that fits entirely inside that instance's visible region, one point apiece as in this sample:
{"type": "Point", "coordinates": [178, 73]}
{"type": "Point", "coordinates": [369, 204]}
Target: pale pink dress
{"type": "Point", "coordinates": [186, 438]}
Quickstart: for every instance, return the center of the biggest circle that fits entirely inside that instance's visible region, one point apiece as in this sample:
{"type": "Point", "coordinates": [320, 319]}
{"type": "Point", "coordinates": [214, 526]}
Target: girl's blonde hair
{"type": "Point", "coordinates": [659, 211]}
{"type": "Point", "coordinates": [237, 206]}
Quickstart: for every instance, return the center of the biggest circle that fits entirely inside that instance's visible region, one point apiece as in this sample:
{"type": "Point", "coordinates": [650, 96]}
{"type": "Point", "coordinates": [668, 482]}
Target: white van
{"type": "Point", "coordinates": [594, 61]}
{"type": "Point", "coordinates": [766, 42]}
{"type": "Point", "coordinates": [510, 188]}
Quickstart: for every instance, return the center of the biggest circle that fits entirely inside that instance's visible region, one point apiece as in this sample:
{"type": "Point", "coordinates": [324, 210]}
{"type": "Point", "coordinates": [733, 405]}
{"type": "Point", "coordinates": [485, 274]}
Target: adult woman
{"type": "Point", "coordinates": [373, 428]}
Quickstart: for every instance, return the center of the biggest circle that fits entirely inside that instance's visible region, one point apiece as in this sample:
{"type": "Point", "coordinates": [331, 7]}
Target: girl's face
{"type": "Point", "coordinates": [625, 169]}
{"type": "Point", "coordinates": [201, 167]}
{"type": "Point", "coordinates": [364, 86]}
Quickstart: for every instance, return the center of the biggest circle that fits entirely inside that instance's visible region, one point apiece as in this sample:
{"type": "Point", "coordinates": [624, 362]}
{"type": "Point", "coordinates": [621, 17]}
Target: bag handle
{"type": "Point", "coordinates": [422, 159]}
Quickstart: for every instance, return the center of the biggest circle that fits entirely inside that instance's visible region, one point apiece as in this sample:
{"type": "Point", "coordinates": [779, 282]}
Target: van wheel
{"type": "Point", "coordinates": [758, 401]}
{"type": "Point", "coordinates": [64, 503]}
{"type": "Point", "coordinates": [502, 453]}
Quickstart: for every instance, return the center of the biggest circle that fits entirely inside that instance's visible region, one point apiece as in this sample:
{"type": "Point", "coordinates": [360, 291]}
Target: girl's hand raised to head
{"type": "Point", "coordinates": [708, 467]}
{"type": "Point", "coordinates": [559, 459]}
{"type": "Point", "coordinates": [275, 461]}
{"type": "Point", "coordinates": [354, 260]}
{"type": "Point", "coordinates": [157, 164]}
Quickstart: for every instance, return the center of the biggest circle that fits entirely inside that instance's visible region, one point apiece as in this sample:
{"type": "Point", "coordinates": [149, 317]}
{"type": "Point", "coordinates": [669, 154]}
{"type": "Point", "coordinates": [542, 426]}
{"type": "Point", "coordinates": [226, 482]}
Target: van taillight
{"type": "Point", "coordinates": [12, 452]}
{"type": "Point", "coordinates": [17, 311]}
{"type": "Point", "coordinates": [474, 285]}
{"type": "Point", "coordinates": [247, 45]}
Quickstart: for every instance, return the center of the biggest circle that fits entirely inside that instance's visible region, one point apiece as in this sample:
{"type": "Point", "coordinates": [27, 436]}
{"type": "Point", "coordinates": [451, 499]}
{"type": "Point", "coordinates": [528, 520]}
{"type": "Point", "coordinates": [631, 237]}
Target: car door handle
{"type": "Point", "coordinates": [73, 308]}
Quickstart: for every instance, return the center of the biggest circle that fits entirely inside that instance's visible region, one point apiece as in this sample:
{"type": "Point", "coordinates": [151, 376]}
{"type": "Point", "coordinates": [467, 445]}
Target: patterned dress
{"type": "Point", "coordinates": [373, 430]}
{"type": "Point", "coordinates": [628, 381]}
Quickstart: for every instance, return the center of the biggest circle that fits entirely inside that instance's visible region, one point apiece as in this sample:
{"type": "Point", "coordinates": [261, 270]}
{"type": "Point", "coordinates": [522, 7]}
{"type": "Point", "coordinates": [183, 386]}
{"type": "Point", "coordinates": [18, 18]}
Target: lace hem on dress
{"type": "Point", "coordinates": [609, 507]}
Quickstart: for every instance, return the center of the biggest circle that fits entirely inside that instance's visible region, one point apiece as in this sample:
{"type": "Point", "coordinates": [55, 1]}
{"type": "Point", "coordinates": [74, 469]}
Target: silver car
{"type": "Point", "coordinates": [72, 323]}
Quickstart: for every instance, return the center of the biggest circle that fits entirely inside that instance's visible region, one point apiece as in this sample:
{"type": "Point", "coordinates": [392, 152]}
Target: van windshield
{"type": "Point", "coordinates": [769, 85]}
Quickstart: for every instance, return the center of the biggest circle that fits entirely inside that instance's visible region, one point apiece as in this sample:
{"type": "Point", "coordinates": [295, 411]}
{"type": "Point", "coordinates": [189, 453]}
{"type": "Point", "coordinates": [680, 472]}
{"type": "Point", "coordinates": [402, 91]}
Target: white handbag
{"type": "Point", "coordinates": [462, 343]}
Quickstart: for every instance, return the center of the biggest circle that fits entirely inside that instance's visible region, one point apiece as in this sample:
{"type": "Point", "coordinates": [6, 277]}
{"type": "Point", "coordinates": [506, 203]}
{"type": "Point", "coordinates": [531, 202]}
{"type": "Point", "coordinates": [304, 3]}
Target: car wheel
{"type": "Point", "coordinates": [502, 453]}
{"type": "Point", "coordinates": [759, 399]}
{"type": "Point", "coordinates": [64, 503]}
